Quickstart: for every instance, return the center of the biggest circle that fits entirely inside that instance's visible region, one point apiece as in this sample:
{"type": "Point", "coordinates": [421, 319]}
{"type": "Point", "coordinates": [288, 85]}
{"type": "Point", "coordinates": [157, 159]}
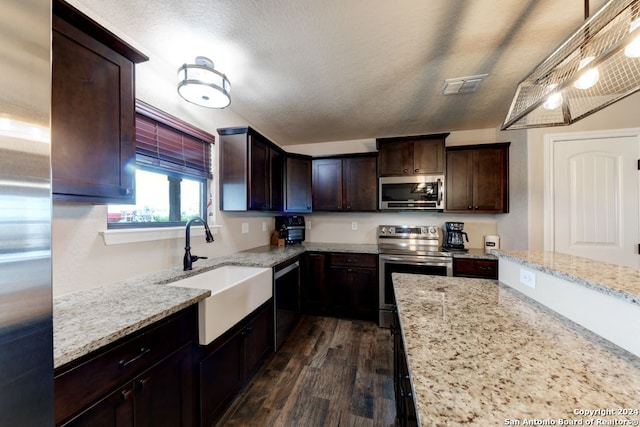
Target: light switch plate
{"type": "Point", "coordinates": [245, 227]}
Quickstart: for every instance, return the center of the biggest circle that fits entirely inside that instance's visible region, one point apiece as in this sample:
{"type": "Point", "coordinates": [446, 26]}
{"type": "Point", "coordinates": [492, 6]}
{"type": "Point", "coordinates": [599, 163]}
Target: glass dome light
{"type": "Point", "coordinates": [203, 85]}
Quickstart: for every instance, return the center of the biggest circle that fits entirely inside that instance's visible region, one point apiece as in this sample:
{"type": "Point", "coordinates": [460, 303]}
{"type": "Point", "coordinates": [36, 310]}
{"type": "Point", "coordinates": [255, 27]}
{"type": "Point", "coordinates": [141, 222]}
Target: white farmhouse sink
{"type": "Point", "coordinates": [235, 292]}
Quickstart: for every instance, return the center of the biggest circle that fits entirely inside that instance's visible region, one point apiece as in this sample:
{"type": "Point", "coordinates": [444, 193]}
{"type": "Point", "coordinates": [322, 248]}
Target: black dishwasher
{"type": "Point", "coordinates": [286, 296]}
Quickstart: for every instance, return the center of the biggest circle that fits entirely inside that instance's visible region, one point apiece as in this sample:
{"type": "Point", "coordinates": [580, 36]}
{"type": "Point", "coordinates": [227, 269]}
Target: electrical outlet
{"type": "Point", "coordinates": [307, 225]}
{"type": "Point", "coordinates": [528, 278]}
{"type": "Point", "coordinates": [264, 226]}
{"type": "Point", "coordinates": [354, 225]}
{"type": "Point", "coordinates": [245, 227]}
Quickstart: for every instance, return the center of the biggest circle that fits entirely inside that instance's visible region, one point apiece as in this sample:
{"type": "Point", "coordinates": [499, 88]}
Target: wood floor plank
{"type": "Point", "coordinates": [330, 372]}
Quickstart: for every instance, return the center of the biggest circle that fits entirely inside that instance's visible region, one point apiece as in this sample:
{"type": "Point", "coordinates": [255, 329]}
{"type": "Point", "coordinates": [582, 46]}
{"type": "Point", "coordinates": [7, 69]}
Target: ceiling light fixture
{"type": "Point", "coordinates": [203, 85]}
{"type": "Point", "coordinates": [596, 66]}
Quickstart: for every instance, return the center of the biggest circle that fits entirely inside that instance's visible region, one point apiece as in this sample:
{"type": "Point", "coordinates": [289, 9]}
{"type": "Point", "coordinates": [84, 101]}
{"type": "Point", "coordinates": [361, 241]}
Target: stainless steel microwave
{"type": "Point", "coordinates": [416, 192]}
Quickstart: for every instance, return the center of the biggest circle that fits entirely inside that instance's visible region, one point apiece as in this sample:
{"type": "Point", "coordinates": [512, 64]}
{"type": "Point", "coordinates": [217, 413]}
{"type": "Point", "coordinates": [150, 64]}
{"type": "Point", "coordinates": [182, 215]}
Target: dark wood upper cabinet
{"type": "Point", "coordinates": [92, 111]}
{"type": "Point", "coordinates": [345, 183]}
{"type": "Point", "coordinates": [412, 155]}
{"type": "Point", "coordinates": [297, 180]}
{"type": "Point", "coordinates": [477, 178]}
{"type": "Point", "coordinates": [251, 171]}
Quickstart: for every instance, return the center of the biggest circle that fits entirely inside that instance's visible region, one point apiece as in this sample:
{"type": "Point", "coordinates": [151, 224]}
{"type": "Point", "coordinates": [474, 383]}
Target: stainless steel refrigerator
{"type": "Point", "coordinates": [26, 336]}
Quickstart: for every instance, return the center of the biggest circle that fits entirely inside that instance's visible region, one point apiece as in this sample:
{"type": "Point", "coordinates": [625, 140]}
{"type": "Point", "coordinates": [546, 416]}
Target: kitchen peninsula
{"type": "Point", "coordinates": [480, 353]}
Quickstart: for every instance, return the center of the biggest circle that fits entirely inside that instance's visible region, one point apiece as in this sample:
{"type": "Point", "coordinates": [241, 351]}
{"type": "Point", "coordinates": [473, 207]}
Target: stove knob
{"type": "Point", "coordinates": [383, 230]}
{"type": "Point", "coordinates": [432, 230]}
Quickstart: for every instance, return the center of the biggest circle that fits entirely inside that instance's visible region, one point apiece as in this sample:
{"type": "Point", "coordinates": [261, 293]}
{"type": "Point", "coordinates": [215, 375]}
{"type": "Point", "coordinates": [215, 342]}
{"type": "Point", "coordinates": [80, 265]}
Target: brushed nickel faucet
{"type": "Point", "coordinates": [189, 259]}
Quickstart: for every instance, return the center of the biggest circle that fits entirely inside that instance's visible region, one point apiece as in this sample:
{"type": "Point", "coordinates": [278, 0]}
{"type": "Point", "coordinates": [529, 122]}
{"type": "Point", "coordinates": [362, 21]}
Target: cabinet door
{"type": "Point", "coordinates": [363, 283]}
{"type": "Point", "coordinates": [396, 158]}
{"type": "Point", "coordinates": [92, 119]}
{"type": "Point", "coordinates": [428, 156]}
{"type": "Point", "coordinates": [314, 287]}
{"type": "Point", "coordinates": [114, 410]}
{"type": "Point", "coordinates": [354, 292]}
{"type": "Point", "coordinates": [360, 184]}
{"type": "Point", "coordinates": [489, 181]}
{"type": "Point", "coordinates": [259, 168]}
{"type": "Point", "coordinates": [258, 340]}
{"type": "Point", "coordinates": [459, 180]}
{"type": "Point", "coordinates": [221, 378]}
{"type": "Point", "coordinates": [276, 180]}
{"type": "Point", "coordinates": [164, 393]}
{"type": "Point", "coordinates": [327, 184]}
{"type": "Point", "coordinates": [298, 185]}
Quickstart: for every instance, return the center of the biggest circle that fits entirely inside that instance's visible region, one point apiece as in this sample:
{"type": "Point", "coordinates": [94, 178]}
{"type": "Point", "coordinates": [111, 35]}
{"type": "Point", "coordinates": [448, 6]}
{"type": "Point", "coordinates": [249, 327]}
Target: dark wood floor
{"type": "Point", "coordinates": [330, 372]}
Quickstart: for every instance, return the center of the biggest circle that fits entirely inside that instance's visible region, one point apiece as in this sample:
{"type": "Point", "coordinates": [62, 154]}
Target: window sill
{"type": "Point", "coordinates": [121, 236]}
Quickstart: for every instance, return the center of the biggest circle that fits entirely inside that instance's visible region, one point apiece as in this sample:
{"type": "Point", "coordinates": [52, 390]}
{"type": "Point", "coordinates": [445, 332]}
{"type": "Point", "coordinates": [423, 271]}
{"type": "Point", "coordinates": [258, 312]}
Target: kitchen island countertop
{"type": "Point", "coordinates": [481, 353]}
{"type": "Point", "coordinates": [611, 279]}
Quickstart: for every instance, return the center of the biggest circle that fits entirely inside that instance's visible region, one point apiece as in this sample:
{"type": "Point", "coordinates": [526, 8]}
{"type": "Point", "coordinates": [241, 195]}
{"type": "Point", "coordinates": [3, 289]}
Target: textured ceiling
{"type": "Point", "coordinates": [306, 71]}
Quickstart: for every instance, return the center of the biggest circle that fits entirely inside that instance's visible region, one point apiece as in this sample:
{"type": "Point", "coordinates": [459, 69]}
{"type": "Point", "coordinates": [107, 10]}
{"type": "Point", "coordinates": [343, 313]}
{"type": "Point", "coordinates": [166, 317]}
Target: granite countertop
{"type": "Point", "coordinates": [480, 353]}
{"type": "Point", "coordinates": [612, 279]}
{"type": "Point", "coordinates": [90, 319]}
{"type": "Point", "coordinates": [87, 320]}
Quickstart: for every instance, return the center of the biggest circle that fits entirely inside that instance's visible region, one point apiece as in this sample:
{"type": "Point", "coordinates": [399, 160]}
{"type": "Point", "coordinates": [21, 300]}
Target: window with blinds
{"type": "Point", "coordinates": [174, 164]}
{"type": "Point", "coordinates": [160, 143]}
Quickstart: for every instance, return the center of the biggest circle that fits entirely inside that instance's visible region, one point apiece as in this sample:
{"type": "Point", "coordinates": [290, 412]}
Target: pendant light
{"type": "Point", "coordinates": [203, 85]}
{"type": "Point", "coordinates": [596, 66]}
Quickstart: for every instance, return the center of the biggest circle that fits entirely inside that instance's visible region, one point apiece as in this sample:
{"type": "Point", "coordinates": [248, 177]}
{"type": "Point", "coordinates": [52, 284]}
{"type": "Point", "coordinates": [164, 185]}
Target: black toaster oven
{"type": "Point", "coordinates": [292, 226]}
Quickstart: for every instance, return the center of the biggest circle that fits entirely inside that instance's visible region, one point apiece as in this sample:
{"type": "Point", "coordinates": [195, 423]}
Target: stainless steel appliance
{"type": "Point", "coordinates": [415, 192]}
{"type": "Point", "coordinates": [26, 326]}
{"type": "Point", "coordinates": [454, 239]}
{"type": "Point", "coordinates": [286, 301]}
{"type": "Point", "coordinates": [293, 227]}
{"type": "Point", "coordinates": [407, 249]}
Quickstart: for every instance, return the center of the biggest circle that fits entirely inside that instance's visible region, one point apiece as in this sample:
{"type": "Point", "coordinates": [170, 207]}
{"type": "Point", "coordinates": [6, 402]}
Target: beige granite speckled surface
{"type": "Point", "coordinates": [611, 279]}
{"type": "Point", "coordinates": [87, 320]}
{"type": "Point", "coordinates": [482, 354]}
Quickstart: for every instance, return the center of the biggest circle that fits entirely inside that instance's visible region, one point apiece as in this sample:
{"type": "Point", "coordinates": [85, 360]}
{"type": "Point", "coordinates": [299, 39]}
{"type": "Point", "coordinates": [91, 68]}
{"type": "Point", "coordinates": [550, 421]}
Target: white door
{"type": "Point", "coordinates": [596, 197]}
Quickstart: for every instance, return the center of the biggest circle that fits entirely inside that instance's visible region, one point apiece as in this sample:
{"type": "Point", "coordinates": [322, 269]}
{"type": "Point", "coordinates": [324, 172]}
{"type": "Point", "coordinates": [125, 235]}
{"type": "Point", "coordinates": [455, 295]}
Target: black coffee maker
{"type": "Point", "coordinates": [454, 240]}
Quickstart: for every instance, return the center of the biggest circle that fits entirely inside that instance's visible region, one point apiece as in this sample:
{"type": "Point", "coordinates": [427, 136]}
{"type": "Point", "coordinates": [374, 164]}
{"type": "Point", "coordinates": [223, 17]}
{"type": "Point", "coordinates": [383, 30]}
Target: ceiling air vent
{"type": "Point", "coordinates": [462, 84]}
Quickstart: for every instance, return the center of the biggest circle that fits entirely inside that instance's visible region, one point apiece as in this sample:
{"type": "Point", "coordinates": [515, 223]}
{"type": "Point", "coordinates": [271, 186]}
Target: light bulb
{"type": "Point", "coordinates": [553, 101]}
{"type": "Point", "coordinates": [589, 77]}
{"type": "Point", "coordinates": [632, 50]}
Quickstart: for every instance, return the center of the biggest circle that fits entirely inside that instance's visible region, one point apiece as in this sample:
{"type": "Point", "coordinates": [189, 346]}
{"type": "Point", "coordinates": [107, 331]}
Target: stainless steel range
{"type": "Point", "coordinates": [408, 249]}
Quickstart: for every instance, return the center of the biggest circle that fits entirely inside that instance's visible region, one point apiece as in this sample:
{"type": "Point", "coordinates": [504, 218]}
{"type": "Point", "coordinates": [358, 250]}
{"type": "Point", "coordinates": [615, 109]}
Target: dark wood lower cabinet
{"type": "Point", "coordinates": [340, 284]}
{"type": "Point", "coordinates": [161, 396]}
{"type": "Point", "coordinates": [314, 290]}
{"type": "Point", "coordinates": [142, 380]}
{"type": "Point", "coordinates": [405, 404]}
{"type": "Point", "coordinates": [228, 363]}
{"type": "Point", "coordinates": [475, 268]}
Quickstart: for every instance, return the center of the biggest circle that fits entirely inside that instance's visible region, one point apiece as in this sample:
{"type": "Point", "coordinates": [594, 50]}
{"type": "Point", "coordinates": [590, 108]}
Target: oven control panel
{"type": "Point", "coordinates": [409, 231]}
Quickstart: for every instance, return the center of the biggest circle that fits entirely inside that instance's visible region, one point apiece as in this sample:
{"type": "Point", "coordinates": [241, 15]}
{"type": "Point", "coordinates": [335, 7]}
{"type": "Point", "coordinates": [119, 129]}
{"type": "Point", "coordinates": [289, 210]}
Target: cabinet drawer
{"type": "Point", "coordinates": [482, 268]}
{"type": "Point", "coordinates": [100, 372]}
{"type": "Point", "coordinates": [354, 260]}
